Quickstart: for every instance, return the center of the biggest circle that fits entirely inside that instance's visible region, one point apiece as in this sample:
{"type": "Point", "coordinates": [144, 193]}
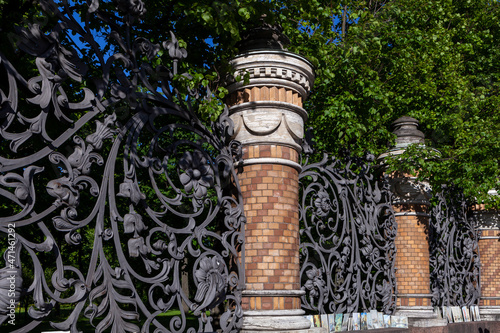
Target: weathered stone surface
{"type": "Point", "coordinates": [407, 132]}
{"type": "Point", "coordinates": [268, 109]}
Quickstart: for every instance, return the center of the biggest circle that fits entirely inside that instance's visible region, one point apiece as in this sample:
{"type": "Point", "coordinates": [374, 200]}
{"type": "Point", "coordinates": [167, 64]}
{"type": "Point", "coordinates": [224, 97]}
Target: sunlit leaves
{"type": "Point", "coordinates": [435, 61]}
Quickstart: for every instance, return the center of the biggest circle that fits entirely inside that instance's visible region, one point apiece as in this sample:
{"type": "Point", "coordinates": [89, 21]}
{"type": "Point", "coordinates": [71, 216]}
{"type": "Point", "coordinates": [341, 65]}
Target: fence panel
{"type": "Point", "coordinates": [454, 251]}
{"type": "Point", "coordinates": [116, 201]}
{"type": "Point", "coordinates": [347, 237]}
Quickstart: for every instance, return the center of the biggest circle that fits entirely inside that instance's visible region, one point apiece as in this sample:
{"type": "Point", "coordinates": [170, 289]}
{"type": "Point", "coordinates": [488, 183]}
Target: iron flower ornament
{"type": "Point", "coordinates": [78, 174]}
{"type": "Point", "coordinates": [198, 176]}
{"type": "Point", "coordinates": [212, 280]}
{"type": "Point", "coordinates": [322, 203]}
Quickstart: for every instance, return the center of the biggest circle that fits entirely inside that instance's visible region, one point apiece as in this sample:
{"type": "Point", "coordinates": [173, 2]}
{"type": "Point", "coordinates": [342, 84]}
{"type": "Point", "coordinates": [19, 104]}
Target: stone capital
{"type": "Point", "coordinates": [273, 68]}
{"type": "Point", "coordinates": [267, 109]}
{"type": "Point", "coordinates": [487, 219]}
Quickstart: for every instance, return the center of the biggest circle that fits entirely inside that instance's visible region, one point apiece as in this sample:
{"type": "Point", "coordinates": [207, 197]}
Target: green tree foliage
{"type": "Point", "coordinates": [437, 61]}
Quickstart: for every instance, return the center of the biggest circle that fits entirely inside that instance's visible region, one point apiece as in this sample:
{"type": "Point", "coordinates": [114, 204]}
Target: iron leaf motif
{"type": "Point", "coordinates": [346, 266]}
{"type": "Point", "coordinates": [132, 175]}
{"type": "Point", "coordinates": [454, 256]}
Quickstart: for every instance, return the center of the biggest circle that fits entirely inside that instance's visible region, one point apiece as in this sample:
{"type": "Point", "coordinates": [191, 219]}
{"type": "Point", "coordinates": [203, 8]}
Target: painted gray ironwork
{"type": "Point", "coordinates": [347, 231]}
{"type": "Point", "coordinates": [115, 199]}
{"type": "Point", "coordinates": [454, 252]}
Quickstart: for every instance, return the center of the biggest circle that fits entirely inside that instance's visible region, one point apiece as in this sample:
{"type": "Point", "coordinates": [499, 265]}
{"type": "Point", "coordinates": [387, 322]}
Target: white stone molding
{"type": "Point", "coordinates": [275, 323]}
{"type": "Point", "coordinates": [420, 316]}
{"type": "Point", "coordinates": [275, 320]}
{"type": "Point", "coordinates": [273, 68]}
{"type": "Point", "coordinates": [489, 313]}
{"type": "Point", "coordinates": [268, 121]}
{"type": "Point", "coordinates": [270, 160]}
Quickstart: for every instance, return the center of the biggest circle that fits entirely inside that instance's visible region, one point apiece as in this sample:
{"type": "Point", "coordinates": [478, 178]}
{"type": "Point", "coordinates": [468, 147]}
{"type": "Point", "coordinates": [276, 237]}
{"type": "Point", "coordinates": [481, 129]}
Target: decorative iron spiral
{"type": "Point", "coordinates": [454, 251]}
{"type": "Point", "coordinates": [347, 238]}
{"type": "Point", "coordinates": [105, 164]}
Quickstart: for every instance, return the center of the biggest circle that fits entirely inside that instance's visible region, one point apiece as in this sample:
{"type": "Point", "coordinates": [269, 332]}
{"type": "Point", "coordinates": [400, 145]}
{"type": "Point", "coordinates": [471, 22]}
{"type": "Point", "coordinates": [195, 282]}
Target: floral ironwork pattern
{"type": "Point", "coordinates": [347, 237]}
{"type": "Point", "coordinates": [454, 251]}
{"type": "Point", "coordinates": [105, 164]}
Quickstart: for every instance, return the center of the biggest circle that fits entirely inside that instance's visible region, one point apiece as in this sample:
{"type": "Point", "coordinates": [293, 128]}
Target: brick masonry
{"type": "Point", "coordinates": [271, 303]}
{"type": "Point", "coordinates": [413, 301]}
{"type": "Point", "coordinates": [489, 251]}
{"type": "Point", "coordinates": [264, 94]}
{"type": "Point", "coordinates": [270, 196]}
{"type": "Point", "coordinates": [412, 258]}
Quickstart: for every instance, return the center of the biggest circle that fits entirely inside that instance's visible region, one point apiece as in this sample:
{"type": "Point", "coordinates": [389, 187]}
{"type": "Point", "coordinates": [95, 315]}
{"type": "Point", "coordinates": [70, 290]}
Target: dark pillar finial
{"type": "Point", "coordinates": [407, 132]}
{"type": "Point", "coordinates": [264, 36]}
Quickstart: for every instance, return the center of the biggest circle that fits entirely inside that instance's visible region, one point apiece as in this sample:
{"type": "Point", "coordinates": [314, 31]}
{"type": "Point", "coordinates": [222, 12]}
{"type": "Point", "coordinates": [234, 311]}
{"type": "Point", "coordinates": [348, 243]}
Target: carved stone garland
{"type": "Point", "coordinates": [124, 172]}
{"type": "Point", "coordinates": [347, 238]}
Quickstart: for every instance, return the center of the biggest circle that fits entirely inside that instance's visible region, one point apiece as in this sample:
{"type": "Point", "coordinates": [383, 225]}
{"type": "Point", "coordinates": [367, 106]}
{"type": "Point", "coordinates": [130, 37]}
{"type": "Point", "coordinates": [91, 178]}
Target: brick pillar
{"type": "Point", "coordinates": [412, 258]}
{"type": "Point", "coordinates": [489, 252]}
{"type": "Point", "coordinates": [269, 122]}
{"type": "Point", "coordinates": [412, 208]}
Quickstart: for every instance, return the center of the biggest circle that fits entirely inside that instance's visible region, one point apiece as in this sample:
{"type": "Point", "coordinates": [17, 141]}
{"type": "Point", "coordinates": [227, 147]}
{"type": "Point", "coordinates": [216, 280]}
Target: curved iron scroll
{"type": "Point", "coordinates": [115, 198]}
{"type": "Point", "coordinates": [454, 252]}
{"type": "Point", "coordinates": [347, 238]}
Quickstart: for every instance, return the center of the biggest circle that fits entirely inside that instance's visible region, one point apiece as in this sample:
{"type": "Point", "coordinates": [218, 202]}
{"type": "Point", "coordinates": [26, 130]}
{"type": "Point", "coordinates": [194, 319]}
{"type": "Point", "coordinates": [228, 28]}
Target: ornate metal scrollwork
{"type": "Point", "coordinates": [123, 204]}
{"type": "Point", "coordinates": [347, 238]}
{"type": "Point", "coordinates": [454, 252]}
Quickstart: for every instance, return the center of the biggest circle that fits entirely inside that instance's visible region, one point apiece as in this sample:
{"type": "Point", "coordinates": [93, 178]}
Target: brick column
{"type": "Point", "coordinates": [489, 252]}
{"type": "Point", "coordinates": [269, 122]}
{"type": "Point", "coordinates": [412, 260]}
{"type": "Point", "coordinates": [411, 206]}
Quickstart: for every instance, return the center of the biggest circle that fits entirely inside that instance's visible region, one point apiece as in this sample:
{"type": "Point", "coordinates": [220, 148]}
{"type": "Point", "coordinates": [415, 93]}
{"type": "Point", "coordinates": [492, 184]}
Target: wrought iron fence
{"type": "Point", "coordinates": [115, 199]}
{"type": "Point", "coordinates": [348, 230]}
{"type": "Point", "coordinates": [454, 252]}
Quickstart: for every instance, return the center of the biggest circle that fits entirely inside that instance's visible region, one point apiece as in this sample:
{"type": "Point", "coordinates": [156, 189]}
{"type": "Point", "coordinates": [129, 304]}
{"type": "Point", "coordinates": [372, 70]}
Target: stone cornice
{"type": "Point", "coordinates": [487, 219]}
{"type": "Point", "coordinates": [273, 68]}
{"type": "Point", "coordinates": [270, 105]}
{"type": "Point", "coordinates": [270, 160]}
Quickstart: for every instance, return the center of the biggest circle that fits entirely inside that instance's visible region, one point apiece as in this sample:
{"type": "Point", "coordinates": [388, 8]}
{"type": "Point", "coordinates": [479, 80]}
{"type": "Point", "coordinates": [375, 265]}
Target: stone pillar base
{"type": "Point", "coordinates": [489, 313]}
{"type": "Point", "coordinates": [275, 321]}
{"type": "Point", "coordinates": [416, 311]}
{"type": "Point", "coordinates": [420, 316]}
{"type": "Point", "coordinates": [309, 330]}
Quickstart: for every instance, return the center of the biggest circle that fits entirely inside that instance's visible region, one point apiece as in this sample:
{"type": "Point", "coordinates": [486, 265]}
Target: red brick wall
{"type": "Point", "coordinates": [489, 252]}
{"type": "Point", "coordinates": [412, 257]}
{"type": "Point", "coordinates": [270, 196]}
